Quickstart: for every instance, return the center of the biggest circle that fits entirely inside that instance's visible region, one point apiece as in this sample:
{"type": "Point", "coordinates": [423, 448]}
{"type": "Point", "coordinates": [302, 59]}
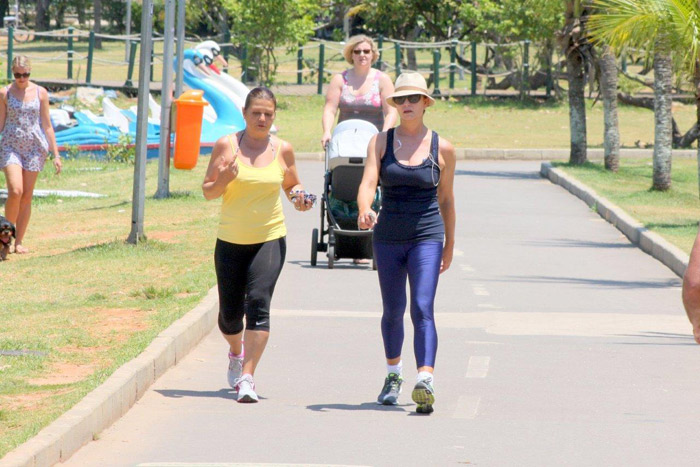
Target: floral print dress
{"type": "Point", "coordinates": [23, 140]}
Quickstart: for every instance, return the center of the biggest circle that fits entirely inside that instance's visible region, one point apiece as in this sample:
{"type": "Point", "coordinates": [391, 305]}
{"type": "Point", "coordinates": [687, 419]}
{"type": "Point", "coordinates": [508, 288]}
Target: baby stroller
{"type": "Point", "coordinates": [345, 161]}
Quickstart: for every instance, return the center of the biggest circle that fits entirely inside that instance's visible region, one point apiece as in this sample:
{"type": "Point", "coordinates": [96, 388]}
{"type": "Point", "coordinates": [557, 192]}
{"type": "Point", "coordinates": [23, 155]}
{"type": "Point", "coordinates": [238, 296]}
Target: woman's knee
{"type": "Point", "coordinates": [15, 192]}
{"type": "Point", "coordinates": [26, 197]}
{"type": "Point", "coordinates": [230, 324]}
{"type": "Point", "coordinates": [392, 320]}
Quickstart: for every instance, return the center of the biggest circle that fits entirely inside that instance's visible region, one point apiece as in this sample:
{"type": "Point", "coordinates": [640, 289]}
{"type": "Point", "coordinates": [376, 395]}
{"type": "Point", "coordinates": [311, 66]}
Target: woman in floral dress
{"type": "Point", "coordinates": [27, 136]}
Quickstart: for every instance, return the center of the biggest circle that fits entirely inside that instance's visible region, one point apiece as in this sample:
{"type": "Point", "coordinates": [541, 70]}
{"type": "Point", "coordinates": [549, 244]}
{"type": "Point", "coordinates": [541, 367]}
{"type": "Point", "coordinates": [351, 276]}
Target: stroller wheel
{"type": "Point", "coordinates": [314, 246]}
{"type": "Point", "coordinates": [331, 255]}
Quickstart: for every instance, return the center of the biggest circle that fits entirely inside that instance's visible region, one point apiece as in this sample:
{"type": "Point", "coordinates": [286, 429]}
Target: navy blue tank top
{"type": "Point", "coordinates": [410, 211]}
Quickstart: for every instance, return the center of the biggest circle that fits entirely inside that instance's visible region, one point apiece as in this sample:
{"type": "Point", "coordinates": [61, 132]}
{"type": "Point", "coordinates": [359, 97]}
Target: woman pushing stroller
{"type": "Point", "coordinates": [414, 234]}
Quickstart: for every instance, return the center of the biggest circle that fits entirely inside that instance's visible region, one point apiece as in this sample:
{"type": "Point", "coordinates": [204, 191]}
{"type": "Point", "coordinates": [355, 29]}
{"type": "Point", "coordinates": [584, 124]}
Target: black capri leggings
{"type": "Point", "coordinates": [246, 276]}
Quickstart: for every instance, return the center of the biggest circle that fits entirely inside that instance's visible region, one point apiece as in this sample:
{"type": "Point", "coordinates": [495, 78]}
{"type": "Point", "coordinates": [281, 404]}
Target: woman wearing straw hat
{"type": "Point", "coordinates": [359, 92]}
{"type": "Point", "coordinates": [413, 233]}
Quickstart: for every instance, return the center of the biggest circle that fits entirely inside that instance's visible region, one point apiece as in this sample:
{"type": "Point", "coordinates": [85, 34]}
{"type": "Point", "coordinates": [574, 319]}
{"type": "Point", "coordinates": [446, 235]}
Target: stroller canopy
{"type": "Point", "coordinates": [350, 139]}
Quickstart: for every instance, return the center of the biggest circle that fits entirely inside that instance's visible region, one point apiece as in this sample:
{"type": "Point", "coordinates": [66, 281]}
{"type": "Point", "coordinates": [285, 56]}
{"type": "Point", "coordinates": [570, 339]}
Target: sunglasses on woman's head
{"type": "Point", "coordinates": [22, 75]}
{"type": "Point", "coordinates": [413, 99]}
{"type": "Point", "coordinates": [362, 51]}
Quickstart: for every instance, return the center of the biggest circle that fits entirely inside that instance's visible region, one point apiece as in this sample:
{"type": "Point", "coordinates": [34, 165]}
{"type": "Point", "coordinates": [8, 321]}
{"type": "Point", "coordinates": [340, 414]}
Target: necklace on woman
{"type": "Point", "coordinates": [398, 141]}
{"type": "Point", "coordinates": [269, 140]}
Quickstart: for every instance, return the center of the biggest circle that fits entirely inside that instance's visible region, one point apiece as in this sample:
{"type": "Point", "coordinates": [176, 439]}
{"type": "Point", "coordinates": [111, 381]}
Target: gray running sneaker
{"type": "Point", "coordinates": [246, 389]}
{"type": "Point", "coordinates": [235, 370]}
{"type": "Point", "coordinates": [424, 395]}
{"type": "Point", "coordinates": [391, 390]}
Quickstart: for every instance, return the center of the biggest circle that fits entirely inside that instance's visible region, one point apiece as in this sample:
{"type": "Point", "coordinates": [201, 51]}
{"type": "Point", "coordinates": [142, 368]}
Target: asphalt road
{"type": "Point", "coordinates": [560, 344]}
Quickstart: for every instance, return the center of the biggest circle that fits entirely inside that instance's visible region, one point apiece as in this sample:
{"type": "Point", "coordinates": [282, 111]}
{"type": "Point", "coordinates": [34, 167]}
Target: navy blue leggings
{"type": "Point", "coordinates": [421, 263]}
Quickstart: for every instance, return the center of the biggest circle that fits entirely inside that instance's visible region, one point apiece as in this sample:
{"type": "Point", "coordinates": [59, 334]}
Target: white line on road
{"type": "Point", "coordinates": [490, 306]}
{"type": "Point", "coordinates": [466, 268]}
{"type": "Point", "coordinates": [480, 290]}
{"type": "Point", "coordinates": [467, 407]}
{"type": "Point", "coordinates": [478, 367]}
{"type": "Point", "coordinates": [234, 464]}
{"type": "Point", "coordinates": [457, 252]}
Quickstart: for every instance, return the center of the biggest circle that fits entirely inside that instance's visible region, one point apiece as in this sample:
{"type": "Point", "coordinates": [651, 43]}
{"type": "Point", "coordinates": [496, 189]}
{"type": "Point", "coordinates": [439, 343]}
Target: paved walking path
{"type": "Point", "coordinates": [560, 344]}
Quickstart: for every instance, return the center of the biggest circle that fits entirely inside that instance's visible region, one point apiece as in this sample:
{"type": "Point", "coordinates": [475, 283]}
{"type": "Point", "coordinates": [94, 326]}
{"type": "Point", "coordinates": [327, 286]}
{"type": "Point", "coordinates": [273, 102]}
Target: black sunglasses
{"type": "Point", "coordinates": [362, 51]}
{"type": "Point", "coordinates": [413, 99]}
{"type": "Point", "coordinates": [22, 75]}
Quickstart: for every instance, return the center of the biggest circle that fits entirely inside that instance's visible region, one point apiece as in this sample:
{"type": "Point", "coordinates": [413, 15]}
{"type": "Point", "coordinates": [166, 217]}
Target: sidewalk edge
{"type": "Point", "coordinates": [649, 242]}
{"type": "Point", "coordinates": [113, 398]}
{"type": "Point", "coordinates": [530, 154]}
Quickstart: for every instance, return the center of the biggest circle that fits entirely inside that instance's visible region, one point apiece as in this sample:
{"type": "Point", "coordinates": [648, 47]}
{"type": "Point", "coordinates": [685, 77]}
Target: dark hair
{"type": "Point", "coordinates": [261, 92]}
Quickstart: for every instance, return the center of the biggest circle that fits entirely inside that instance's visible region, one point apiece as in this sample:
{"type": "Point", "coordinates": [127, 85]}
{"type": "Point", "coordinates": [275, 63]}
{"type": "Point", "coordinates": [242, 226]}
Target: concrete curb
{"type": "Point", "coordinates": [647, 241]}
{"type": "Point", "coordinates": [108, 402]}
{"type": "Point", "coordinates": [532, 154]}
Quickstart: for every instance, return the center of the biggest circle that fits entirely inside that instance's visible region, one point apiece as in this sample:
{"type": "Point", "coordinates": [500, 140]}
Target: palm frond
{"type": "Point", "coordinates": [685, 22]}
{"type": "Point", "coordinates": [621, 23]}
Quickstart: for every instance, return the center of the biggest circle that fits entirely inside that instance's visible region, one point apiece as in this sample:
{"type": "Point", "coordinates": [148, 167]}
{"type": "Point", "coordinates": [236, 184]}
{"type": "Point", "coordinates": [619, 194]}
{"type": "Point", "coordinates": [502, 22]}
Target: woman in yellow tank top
{"type": "Point", "coordinates": [247, 169]}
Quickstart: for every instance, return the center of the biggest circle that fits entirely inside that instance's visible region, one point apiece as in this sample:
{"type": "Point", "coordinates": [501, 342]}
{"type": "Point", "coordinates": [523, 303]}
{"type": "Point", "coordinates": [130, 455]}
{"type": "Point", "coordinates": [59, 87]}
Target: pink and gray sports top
{"type": "Point", "coordinates": [367, 106]}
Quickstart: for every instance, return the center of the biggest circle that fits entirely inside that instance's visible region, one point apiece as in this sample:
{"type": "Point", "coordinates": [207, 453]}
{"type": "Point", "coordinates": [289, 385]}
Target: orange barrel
{"type": "Point", "coordinates": [188, 128]}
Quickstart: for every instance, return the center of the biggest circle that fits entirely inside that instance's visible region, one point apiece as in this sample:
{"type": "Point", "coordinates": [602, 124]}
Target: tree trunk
{"type": "Point", "coordinates": [82, 15]}
{"type": "Point", "coordinates": [43, 21]}
{"type": "Point", "coordinates": [577, 107]}
{"type": "Point", "coordinates": [412, 61]}
{"type": "Point", "coordinates": [4, 11]}
{"type": "Point", "coordinates": [608, 86]}
{"type": "Point", "coordinates": [663, 139]}
{"type": "Point", "coordinates": [97, 9]}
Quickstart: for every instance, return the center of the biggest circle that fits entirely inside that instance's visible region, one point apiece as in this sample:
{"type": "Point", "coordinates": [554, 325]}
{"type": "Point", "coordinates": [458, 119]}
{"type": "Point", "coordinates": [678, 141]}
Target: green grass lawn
{"type": "Point", "coordinates": [673, 214]}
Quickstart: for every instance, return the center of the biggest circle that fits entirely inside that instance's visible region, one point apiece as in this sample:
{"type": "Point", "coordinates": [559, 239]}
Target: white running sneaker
{"type": "Point", "coordinates": [424, 395]}
{"type": "Point", "coordinates": [246, 389]}
{"type": "Point", "coordinates": [235, 369]}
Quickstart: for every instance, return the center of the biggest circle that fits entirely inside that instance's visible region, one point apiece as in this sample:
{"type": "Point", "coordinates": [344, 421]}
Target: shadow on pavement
{"type": "Point", "coordinates": [659, 284]}
{"type": "Point", "coordinates": [500, 174]}
{"type": "Point", "coordinates": [363, 406]}
{"type": "Point", "coordinates": [179, 393]}
{"type": "Point", "coordinates": [680, 339]}
{"type": "Point", "coordinates": [571, 243]}
{"type": "Point", "coordinates": [322, 264]}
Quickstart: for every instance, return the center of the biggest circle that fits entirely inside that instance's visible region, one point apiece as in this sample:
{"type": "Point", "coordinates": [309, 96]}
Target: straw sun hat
{"type": "Point", "coordinates": [409, 83]}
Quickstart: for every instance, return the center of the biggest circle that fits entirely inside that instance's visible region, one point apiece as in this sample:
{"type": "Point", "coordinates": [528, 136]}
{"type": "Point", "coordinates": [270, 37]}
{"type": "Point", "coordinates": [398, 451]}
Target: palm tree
{"type": "Point", "coordinates": [608, 87]}
{"type": "Point", "coordinates": [659, 26]}
{"type": "Point", "coordinates": [685, 16]}
{"type": "Point", "coordinates": [577, 50]}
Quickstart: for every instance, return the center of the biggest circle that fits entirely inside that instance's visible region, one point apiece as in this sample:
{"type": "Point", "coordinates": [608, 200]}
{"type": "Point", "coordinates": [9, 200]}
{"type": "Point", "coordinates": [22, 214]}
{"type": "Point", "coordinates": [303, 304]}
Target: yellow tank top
{"type": "Point", "coordinates": [251, 211]}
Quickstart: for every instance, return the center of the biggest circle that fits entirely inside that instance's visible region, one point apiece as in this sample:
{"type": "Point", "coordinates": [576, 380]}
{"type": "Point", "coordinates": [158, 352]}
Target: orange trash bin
{"type": "Point", "coordinates": [188, 128]}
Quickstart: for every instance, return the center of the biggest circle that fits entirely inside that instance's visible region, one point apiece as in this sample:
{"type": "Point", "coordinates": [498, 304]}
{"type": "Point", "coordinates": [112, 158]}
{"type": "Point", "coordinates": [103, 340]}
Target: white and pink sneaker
{"type": "Point", "coordinates": [246, 389]}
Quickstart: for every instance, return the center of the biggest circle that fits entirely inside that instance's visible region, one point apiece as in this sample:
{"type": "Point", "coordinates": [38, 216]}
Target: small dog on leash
{"type": "Point", "coordinates": [7, 233]}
